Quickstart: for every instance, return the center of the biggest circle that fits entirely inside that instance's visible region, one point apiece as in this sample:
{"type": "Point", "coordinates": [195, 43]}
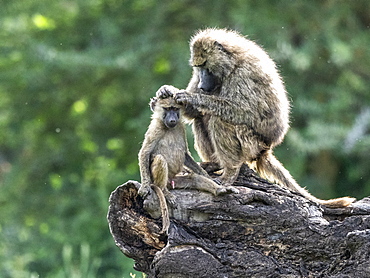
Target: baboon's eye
{"type": "Point", "coordinates": [175, 108]}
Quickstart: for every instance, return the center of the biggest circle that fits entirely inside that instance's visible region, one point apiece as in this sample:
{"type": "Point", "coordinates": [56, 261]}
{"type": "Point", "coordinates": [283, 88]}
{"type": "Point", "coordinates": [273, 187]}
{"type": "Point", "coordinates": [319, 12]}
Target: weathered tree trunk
{"type": "Point", "coordinates": [264, 231]}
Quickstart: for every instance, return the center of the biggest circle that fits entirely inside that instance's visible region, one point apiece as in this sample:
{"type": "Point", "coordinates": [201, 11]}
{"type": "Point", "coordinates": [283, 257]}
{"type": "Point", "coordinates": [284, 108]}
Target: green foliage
{"type": "Point", "coordinates": [75, 81]}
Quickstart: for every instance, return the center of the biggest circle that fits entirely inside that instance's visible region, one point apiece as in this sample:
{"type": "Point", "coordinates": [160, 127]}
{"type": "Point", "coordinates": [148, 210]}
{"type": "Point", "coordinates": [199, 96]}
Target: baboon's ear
{"type": "Point", "coordinates": [220, 47]}
{"type": "Point", "coordinates": [152, 103]}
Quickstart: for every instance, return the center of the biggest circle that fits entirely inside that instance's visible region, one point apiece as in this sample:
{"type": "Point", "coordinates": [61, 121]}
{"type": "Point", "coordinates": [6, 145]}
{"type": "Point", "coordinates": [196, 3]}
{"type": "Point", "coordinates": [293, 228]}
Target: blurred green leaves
{"type": "Point", "coordinates": [162, 66]}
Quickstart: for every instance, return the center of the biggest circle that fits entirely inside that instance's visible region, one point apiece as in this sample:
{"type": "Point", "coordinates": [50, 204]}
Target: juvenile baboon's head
{"type": "Point", "coordinates": [166, 110]}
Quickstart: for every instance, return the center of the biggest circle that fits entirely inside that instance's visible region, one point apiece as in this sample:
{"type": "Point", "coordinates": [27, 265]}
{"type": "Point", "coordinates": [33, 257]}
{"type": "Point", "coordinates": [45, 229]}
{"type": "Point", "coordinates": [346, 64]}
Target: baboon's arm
{"type": "Point", "coordinates": [229, 110]}
{"type": "Point", "coordinates": [144, 159]}
{"type": "Point", "coordinates": [144, 164]}
{"type": "Point", "coordinates": [169, 91]}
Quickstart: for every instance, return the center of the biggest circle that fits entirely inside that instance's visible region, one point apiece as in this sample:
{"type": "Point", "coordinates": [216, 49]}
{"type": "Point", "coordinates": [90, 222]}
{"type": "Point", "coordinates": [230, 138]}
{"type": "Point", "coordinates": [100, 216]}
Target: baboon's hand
{"type": "Point", "coordinates": [166, 91]}
{"type": "Point", "coordinates": [182, 97]}
{"type": "Point", "coordinates": [144, 190]}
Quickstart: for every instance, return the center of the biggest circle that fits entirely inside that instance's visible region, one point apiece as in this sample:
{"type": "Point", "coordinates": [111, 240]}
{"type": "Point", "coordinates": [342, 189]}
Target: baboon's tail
{"type": "Point", "coordinates": [164, 209]}
{"type": "Point", "coordinates": [160, 179]}
{"type": "Point", "coordinates": [271, 169]}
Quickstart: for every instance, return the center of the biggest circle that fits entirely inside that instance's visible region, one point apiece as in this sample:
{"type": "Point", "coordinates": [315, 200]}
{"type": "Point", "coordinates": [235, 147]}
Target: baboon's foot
{"type": "Point", "coordinates": [171, 200]}
{"type": "Point", "coordinates": [226, 190]}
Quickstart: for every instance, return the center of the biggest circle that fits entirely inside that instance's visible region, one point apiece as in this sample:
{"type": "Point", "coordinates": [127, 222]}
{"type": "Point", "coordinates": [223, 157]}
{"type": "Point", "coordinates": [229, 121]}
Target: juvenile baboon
{"type": "Point", "coordinates": [164, 153]}
{"type": "Point", "coordinates": [239, 108]}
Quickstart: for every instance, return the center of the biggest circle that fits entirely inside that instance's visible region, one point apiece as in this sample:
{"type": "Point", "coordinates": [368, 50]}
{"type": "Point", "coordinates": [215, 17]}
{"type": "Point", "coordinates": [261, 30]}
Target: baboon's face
{"type": "Point", "coordinates": [171, 116]}
{"type": "Point", "coordinates": [207, 80]}
{"type": "Point", "coordinates": [202, 63]}
{"type": "Point", "coordinates": [211, 62]}
{"type": "Point", "coordinates": [168, 109]}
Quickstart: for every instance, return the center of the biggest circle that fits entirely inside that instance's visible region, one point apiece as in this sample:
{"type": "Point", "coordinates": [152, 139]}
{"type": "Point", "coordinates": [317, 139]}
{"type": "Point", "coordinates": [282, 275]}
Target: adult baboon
{"type": "Point", "coordinates": [238, 104]}
{"type": "Point", "coordinates": [164, 153]}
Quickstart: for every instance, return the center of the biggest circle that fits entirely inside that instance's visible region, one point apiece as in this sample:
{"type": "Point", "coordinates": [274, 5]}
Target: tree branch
{"type": "Point", "coordinates": [264, 231]}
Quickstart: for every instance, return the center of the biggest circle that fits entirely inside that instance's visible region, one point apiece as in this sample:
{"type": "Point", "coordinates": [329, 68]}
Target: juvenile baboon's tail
{"type": "Point", "coordinates": [160, 179]}
{"type": "Point", "coordinates": [164, 209]}
{"type": "Point", "coordinates": [271, 169]}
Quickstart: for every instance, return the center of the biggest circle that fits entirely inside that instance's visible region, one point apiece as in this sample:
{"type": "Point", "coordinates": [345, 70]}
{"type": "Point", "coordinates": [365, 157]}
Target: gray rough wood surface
{"type": "Point", "coordinates": [264, 231]}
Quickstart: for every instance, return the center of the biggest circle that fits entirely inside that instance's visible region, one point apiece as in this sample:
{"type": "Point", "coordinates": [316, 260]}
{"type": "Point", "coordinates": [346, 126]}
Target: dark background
{"type": "Point", "coordinates": [75, 82]}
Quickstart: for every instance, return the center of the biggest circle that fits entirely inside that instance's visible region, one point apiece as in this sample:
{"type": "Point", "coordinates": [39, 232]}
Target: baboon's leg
{"type": "Point", "coordinates": [234, 146]}
{"type": "Point", "coordinates": [202, 141]}
{"type": "Point", "coordinates": [160, 177]}
{"type": "Point", "coordinates": [229, 175]}
{"type": "Point", "coordinates": [159, 169]}
{"type": "Point", "coordinates": [210, 167]}
{"type": "Point", "coordinates": [195, 181]}
{"type": "Point", "coordinates": [228, 151]}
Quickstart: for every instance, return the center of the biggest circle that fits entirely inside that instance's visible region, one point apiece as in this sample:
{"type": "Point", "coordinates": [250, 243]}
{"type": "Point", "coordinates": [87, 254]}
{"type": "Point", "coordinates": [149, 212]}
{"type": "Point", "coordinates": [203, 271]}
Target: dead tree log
{"type": "Point", "coordinates": [264, 231]}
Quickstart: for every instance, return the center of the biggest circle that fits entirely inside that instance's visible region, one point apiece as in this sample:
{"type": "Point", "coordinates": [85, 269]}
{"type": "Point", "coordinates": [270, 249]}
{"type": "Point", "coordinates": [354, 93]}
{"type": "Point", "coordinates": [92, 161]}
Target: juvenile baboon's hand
{"type": "Point", "coordinates": [144, 191]}
{"type": "Point", "coordinates": [166, 91]}
{"type": "Point", "coordinates": [182, 97]}
{"type": "Point", "coordinates": [152, 103]}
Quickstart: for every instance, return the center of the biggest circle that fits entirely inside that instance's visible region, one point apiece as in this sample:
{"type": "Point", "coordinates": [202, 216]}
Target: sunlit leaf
{"type": "Point", "coordinates": [43, 22]}
{"type": "Point", "coordinates": [80, 106]}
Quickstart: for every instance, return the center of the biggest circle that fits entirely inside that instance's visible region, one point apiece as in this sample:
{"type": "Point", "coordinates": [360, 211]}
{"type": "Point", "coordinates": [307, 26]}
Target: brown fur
{"type": "Point", "coordinates": [163, 154]}
{"type": "Point", "coordinates": [246, 115]}
{"type": "Point", "coordinates": [159, 171]}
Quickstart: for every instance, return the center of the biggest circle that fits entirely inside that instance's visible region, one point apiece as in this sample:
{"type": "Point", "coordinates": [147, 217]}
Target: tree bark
{"type": "Point", "coordinates": [264, 231]}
